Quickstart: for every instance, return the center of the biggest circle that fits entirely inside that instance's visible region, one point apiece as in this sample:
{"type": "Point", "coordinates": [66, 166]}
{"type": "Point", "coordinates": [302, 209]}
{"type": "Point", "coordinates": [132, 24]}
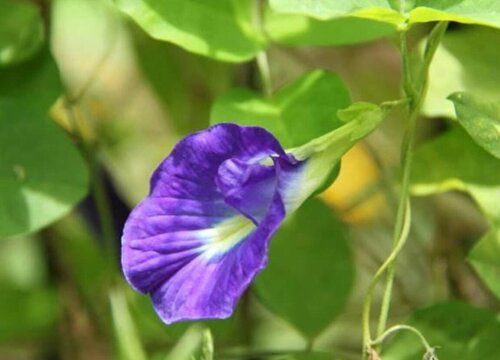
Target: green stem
{"type": "Point", "coordinates": [265, 73]}
{"type": "Point", "coordinates": [415, 91]}
{"type": "Point", "coordinates": [407, 150]}
{"type": "Point", "coordinates": [378, 275]}
{"type": "Point", "coordinates": [262, 59]}
{"type": "Point", "coordinates": [406, 158]}
{"type": "Point", "coordinates": [429, 350]}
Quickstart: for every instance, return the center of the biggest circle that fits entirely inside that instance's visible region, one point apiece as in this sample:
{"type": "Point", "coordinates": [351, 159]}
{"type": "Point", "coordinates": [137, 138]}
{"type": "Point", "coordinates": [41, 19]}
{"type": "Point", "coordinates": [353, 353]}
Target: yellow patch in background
{"type": "Point", "coordinates": [355, 193]}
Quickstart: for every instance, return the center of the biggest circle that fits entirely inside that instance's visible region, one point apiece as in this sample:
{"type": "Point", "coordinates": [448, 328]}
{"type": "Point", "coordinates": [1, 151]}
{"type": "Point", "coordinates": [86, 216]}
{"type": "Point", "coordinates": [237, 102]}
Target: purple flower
{"type": "Point", "coordinates": [196, 242]}
{"type": "Point", "coordinates": [200, 237]}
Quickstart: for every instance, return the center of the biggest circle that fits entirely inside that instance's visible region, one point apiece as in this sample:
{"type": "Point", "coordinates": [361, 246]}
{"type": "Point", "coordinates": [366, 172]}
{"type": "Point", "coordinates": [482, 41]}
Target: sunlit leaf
{"type": "Point", "coordinates": [299, 112]}
{"type": "Point", "coordinates": [221, 29]}
{"type": "Point", "coordinates": [483, 12]}
{"type": "Point", "coordinates": [458, 330]}
{"type": "Point", "coordinates": [310, 271]}
{"type": "Point", "coordinates": [463, 62]}
{"type": "Point", "coordinates": [327, 9]}
{"type": "Point", "coordinates": [480, 119]}
{"type": "Point", "coordinates": [292, 29]}
{"type": "Point", "coordinates": [21, 31]}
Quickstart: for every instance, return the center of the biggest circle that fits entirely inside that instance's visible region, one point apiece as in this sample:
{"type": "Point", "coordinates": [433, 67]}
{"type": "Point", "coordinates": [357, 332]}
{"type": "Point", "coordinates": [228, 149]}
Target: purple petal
{"type": "Point", "coordinates": [200, 237]}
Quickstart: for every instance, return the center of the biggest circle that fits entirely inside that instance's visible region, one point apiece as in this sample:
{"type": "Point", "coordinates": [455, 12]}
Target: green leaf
{"type": "Point", "coordinates": [299, 112]}
{"type": "Point", "coordinates": [292, 29]}
{"type": "Point", "coordinates": [21, 31]}
{"type": "Point", "coordinates": [485, 258]}
{"type": "Point", "coordinates": [458, 330]}
{"type": "Point", "coordinates": [482, 12]}
{"type": "Point", "coordinates": [221, 29]}
{"type": "Point", "coordinates": [436, 167]}
{"type": "Point", "coordinates": [36, 82]}
{"type": "Point", "coordinates": [480, 119]}
{"type": "Point", "coordinates": [328, 9]}
{"type": "Point", "coordinates": [42, 176]}
{"type": "Point", "coordinates": [310, 271]}
{"type": "Point", "coordinates": [465, 61]}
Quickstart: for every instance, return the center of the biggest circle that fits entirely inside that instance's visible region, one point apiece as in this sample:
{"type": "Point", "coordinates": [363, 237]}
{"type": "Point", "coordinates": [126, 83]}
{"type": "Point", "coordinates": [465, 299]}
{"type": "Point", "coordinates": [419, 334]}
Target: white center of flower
{"type": "Point", "coordinates": [225, 235]}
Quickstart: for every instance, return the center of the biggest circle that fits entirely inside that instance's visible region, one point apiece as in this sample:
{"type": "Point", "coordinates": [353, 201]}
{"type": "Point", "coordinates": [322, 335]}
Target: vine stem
{"type": "Point", "coordinates": [378, 275]}
{"type": "Point", "coordinates": [262, 58]}
{"type": "Point", "coordinates": [397, 328]}
{"type": "Point", "coordinates": [415, 91]}
{"type": "Point", "coordinates": [265, 73]}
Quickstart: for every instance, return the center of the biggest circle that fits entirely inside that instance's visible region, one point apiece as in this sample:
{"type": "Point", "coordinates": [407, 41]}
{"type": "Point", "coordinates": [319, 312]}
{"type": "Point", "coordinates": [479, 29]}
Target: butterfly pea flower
{"type": "Point", "coordinates": [200, 237]}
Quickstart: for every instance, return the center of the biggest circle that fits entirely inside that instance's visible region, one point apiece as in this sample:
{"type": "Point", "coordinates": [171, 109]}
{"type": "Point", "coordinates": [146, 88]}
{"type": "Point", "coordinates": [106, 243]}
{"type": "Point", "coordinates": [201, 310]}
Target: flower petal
{"type": "Point", "coordinates": [209, 286]}
{"type": "Point", "coordinates": [200, 237]}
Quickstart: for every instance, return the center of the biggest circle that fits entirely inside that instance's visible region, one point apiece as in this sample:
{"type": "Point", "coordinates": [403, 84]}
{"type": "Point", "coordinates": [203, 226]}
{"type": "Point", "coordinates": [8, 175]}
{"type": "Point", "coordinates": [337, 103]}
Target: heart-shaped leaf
{"type": "Point", "coordinates": [310, 272]}
{"type": "Point", "coordinates": [42, 175]}
{"type": "Point", "coordinates": [297, 113]}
